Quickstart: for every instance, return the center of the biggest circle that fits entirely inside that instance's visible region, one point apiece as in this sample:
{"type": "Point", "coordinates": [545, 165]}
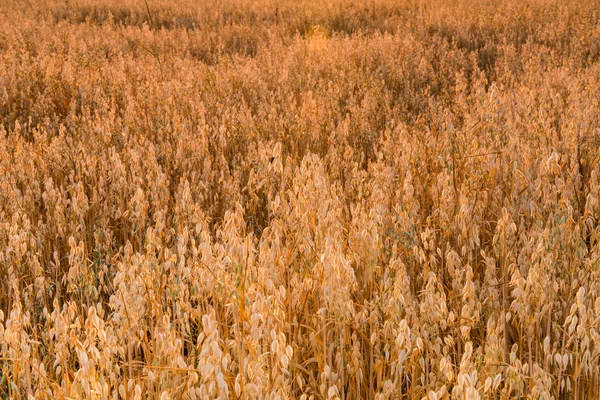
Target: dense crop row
{"type": "Point", "coordinates": [300, 199]}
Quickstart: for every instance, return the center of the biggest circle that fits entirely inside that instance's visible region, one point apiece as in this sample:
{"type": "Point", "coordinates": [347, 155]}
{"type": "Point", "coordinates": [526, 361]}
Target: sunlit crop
{"type": "Point", "coordinates": [294, 199]}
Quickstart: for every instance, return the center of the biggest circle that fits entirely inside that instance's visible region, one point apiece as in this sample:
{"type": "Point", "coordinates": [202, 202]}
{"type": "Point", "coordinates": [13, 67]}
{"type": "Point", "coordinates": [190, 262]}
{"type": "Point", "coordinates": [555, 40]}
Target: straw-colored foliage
{"type": "Point", "coordinates": [247, 199]}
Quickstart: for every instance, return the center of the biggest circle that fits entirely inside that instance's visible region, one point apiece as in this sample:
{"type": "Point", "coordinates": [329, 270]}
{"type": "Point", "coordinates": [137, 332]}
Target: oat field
{"type": "Point", "coordinates": [299, 199]}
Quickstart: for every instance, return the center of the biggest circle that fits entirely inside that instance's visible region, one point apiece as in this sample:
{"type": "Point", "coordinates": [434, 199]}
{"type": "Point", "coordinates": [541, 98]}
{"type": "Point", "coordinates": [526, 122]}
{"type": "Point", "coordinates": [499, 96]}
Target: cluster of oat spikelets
{"type": "Point", "coordinates": [249, 199]}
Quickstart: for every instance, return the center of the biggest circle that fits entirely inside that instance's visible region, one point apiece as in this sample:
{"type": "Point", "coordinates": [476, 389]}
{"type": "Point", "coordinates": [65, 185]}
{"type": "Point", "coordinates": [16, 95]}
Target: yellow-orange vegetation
{"type": "Point", "coordinates": [370, 199]}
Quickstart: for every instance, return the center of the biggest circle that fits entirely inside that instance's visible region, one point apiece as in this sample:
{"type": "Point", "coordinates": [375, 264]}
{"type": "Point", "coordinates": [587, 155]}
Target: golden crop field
{"type": "Point", "coordinates": [299, 199]}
